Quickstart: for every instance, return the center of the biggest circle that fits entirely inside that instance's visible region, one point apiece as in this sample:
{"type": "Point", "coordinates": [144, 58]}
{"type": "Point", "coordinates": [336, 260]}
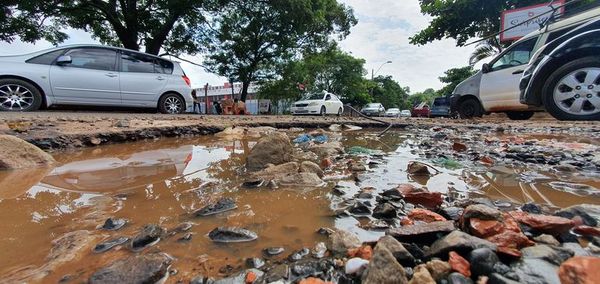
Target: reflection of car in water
{"type": "Point", "coordinates": [120, 173]}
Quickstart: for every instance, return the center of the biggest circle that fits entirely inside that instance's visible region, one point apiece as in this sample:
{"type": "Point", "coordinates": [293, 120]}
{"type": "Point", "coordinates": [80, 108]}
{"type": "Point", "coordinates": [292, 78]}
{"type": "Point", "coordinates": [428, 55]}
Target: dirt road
{"type": "Point", "coordinates": [65, 129]}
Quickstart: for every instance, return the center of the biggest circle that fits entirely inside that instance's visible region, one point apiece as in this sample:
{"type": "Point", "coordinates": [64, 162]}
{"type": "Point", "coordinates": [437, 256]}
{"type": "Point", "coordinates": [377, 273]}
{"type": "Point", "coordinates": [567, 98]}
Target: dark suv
{"type": "Point", "coordinates": [564, 75]}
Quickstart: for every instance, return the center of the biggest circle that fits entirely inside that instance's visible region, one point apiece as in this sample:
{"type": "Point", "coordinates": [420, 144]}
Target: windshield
{"type": "Point", "coordinates": [372, 105]}
{"type": "Point", "coordinates": [314, 96]}
{"type": "Point", "coordinates": [393, 110]}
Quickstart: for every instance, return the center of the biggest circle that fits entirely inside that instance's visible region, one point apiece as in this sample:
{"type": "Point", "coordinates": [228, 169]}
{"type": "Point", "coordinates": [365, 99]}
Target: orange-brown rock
{"type": "Point", "coordinates": [406, 222]}
{"type": "Point", "coordinates": [587, 231]}
{"type": "Point", "coordinates": [510, 223]}
{"type": "Point", "coordinates": [313, 280]}
{"type": "Point", "coordinates": [544, 223]}
{"type": "Point", "coordinates": [459, 264]}
{"type": "Point", "coordinates": [580, 270]}
{"type": "Point", "coordinates": [509, 242]}
{"type": "Point", "coordinates": [485, 228]}
{"type": "Point", "coordinates": [364, 252]}
{"type": "Point", "coordinates": [250, 277]}
{"type": "Point", "coordinates": [425, 215]}
{"type": "Point", "coordinates": [459, 147]}
{"type": "Point", "coordinates": [429, 200]}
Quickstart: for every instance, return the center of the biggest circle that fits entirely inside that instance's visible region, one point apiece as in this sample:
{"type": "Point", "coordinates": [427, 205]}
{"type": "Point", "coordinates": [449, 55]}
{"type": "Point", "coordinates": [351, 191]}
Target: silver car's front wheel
{"type": "Point", "coordinates": [171, 104]}
{"type": "Point", "coordinates": [577, 93]}
{"type": "Point", "coordinates": [18, 95]}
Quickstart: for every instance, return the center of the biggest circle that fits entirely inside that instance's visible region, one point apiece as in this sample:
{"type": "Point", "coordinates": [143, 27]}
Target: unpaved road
{"type": "Point", "coordinates": [64, 129]}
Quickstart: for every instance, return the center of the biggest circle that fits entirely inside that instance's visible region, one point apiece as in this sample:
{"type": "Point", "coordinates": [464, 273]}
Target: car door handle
{"type": "Point", "coordinates": [518, 72]}
{"type": "Point", "coordinates": [112, 75]}
{"type": "Point", "coordinates": [160, 78]}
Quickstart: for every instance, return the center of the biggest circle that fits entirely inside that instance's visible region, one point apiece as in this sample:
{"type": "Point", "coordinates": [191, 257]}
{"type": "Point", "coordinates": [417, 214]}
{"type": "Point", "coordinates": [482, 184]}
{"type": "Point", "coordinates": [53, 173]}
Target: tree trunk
{"type": "Point", "coordinates": [245, 86]}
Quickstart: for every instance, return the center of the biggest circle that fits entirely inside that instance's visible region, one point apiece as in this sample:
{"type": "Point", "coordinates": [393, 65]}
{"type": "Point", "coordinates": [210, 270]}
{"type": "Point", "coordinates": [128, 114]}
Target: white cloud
{"type": "Point", "coordinates": [381, 35]}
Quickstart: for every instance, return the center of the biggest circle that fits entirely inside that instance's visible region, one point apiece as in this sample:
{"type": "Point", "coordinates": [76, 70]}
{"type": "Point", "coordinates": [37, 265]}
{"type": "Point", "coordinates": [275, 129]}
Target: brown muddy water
{"type": "Point", "coordinates": [164, 181]}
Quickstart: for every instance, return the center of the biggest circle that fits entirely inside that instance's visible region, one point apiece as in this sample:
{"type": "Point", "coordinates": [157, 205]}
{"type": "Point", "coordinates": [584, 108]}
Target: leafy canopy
{"type": "Point", "coordinates": [452, 77]}
{"type": "Point", "coordinates": [153, 24]}
{"type": "Point", "coordinates": [389, 93]}
{"type": "Point", "coordinates": [250, 39]}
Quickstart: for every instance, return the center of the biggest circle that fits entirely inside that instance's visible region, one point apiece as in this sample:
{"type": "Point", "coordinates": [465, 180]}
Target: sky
{"type": "Point", "coordinates": [381, 35]}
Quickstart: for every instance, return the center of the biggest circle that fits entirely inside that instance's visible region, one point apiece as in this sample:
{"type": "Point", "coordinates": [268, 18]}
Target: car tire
{"type": "Point", "coordinates": [171, 104]}
{"type": "Point", "coordinates": [323, 111]}
{"type": "Point", "coordinates": [557, 98]}
{"type": "Point", "coordinates": [519, 115]}
{"type": "Point", "coordinates": [469, 108]}
{"type": "Point", "coordinates": [22, 94]}
{"type": "Point", "coordinates": [340, 111]}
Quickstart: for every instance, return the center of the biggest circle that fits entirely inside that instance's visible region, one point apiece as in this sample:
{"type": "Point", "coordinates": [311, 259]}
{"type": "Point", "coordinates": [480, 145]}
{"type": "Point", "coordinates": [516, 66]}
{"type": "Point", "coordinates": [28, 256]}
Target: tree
{"type": "Point", "coordinates": [426, 96]}
{"type": "Point", "coordinates": [329, 70]}
{"type": "Point", "coordinates": [452, 77]}
{"type": "Point", "coordinates": [249, 39]}
{"type": "Point", "coordinates": [167, 24]}
{"type": "Point", "coordinates": [389, 93]}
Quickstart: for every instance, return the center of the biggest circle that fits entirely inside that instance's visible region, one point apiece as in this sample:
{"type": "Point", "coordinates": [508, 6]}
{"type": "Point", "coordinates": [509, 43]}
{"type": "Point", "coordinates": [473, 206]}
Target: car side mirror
{"type": "Point", "coordinates": [486, 68]}
{"type": "Point", "coordinates": [64, 59]}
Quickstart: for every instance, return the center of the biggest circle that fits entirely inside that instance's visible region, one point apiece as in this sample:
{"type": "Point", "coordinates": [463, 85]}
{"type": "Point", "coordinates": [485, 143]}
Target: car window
{"type": "Point", "coordinates": [314, 96]}
{"type": "Point", "coordinates": [92, 58]}
{"type": "Point", "coordinates": [166, 66]}
{"type": "Point", "coordinates": [518, 54]}
{"type": "Point", "coordinates": [556, 34]}
{"type": "Point", "coordinates": [46, 58]}
{"type": "Point", "coordinates": [139, 63]}
{"type": "Point", "coordinates": [328, 97]}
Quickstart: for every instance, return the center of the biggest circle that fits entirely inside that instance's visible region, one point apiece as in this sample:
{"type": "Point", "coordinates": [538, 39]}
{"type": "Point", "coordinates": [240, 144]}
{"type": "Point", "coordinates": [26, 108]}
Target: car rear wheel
{"type": "Point", "coordinates": [470, 108]}
{"type": "Point", "coordinates": [171, 104]}
{"type": "Point", "coordinates": [519, 115]}
{"type": "Point", "coordinates": [19, 95]}
{"type": "Point", "coordinates": [572, 92]}
{"type": "Point", "coordinates": [340, 111]}
{"type": "Point", "coordinates": [323, 111]}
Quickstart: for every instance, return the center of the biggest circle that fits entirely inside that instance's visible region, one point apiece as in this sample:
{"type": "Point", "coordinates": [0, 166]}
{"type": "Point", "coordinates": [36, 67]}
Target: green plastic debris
{"type": "Point", "coordinates": [447, 163]}
{"type": "Point", "coordinates": [359, 150]}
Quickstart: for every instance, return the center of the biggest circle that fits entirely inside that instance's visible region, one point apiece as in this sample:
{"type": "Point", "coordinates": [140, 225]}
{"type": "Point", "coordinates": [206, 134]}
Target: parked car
{"type": "Point", "coordinates": [373, 109]}
{"type": "Point", "coordinates": [440, 107]}
{"type": "Point", "coordinates": [405, 113]}
{"type": "Point", "coordinates": [564, 75]}
{"type": "Point", "coordinates": [392, 112]}
{"type": "Point", "coordinates": [496, 87]}
{"type": "Point", "coordinates": [92, 75]}
{"type": "Point", "coordinates": [420, 110]}
{"type": "Point", "coordinates": [320, 103]}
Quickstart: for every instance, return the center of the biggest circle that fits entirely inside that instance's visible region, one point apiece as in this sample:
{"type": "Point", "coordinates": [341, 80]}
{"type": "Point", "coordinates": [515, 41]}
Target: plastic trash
{"type": "Point", "coordinates": [321, 139]}
{"type": "Point", "coordinates": [302, 138]}
{"type": "Point", "coordinates": [359, 150]}
{"type": "Point", "coordinates": [448, 163]}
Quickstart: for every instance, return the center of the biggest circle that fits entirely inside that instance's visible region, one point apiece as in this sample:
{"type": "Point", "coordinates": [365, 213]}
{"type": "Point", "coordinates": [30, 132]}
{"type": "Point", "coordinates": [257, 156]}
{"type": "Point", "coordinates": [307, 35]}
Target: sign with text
{"type": "Point", "coordinates": [519, 22]}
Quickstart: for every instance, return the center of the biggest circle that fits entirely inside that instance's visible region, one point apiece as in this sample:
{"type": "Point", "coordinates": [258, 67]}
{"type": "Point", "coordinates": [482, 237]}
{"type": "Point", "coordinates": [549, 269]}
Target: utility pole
{"type": "Point", "coordinates": [206, 98]}
{"type": "Point", "coordinates": [373, 75]}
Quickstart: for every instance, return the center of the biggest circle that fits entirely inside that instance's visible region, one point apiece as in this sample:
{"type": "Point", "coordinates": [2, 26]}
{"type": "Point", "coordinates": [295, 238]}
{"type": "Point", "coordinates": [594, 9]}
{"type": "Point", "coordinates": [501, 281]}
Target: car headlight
{"type": "Point", "coordinates": [314, 104]}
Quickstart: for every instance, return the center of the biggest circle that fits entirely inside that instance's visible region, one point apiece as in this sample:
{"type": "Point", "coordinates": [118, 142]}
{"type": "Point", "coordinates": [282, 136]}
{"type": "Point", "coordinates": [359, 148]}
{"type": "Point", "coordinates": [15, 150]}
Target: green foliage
{"type": "Point", "coordinates": [426, 96]}
{"type": "Point", "coordinates": [452, 77]}
{"type": "Point", "coordinates": [167, 24]}
{"type": "Point", "coordinates": [389, 93]}
{"type": "Point", "coordinates": [331, 69]}
{"type": "Point", "coordinates": [250, 39]}
{"type": "Point", "coordinates": [464, 19]}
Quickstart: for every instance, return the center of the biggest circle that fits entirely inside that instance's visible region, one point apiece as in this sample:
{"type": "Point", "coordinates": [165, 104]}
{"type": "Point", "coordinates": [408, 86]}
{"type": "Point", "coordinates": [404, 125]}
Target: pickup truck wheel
{"type": "Point", "coordinates": [572, 92]}
{"type": "Point", "coordinates": [470, 108]}
{"type": "Point", "coordinates": [18, 95]}
{"type": "Point", "coordinates": [519, 115]}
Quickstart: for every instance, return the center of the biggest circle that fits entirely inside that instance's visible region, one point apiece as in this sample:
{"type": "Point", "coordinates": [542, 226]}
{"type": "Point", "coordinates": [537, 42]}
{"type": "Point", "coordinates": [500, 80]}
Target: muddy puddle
{"type": "Point", "coordinates": [162, 182]}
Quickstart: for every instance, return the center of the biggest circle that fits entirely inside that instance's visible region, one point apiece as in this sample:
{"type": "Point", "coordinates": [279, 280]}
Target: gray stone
{"type": "Point", "coordinates": [412, 232]}
{"type": "Point", "coordinates": [553, 254]}
{"type": "Point", "coordinates": [232, 235]}
{"type": "Point", "coordinates": [457, 278]}
{"type": "Point", "coordinates": [588, 212]}
{"type": "Point", "coordinates": [222, 205]}
{"type": "Point", "coordinates": [340, 241]}
{"type": "Point", "coordinates": [399, 252]}
{"type": "Point", "coordinates": [547, 239]}
{"type": "Point", "coordinates": [147, 268]}
{"type": "Point", "coordinates": [483, 212]}
{"type": "Point", "coordinates": [577, 249]}
{"type": "Point", "coordinates": [483, 261]}
{"type": "Point", "coordinates": [113, 224]}
{"type": "Point", "coordinates": [384, 211]}
{"type": "Point", "coordinates": [105, 246]}
{"type": "Point", "coordinates": [275, 148]}
{"type": "Point", "coordinates": [148, 236]}
{"type": "Point", "coordinates": [458, 241]}
{"type": "Point", "coordinates": [536, 271]}
{"type": "Point", "coordinates": [383, 268]}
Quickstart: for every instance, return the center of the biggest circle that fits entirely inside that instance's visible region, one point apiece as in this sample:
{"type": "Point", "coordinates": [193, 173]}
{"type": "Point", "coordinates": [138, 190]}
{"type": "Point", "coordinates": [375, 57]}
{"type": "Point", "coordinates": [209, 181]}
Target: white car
{"type": "Point", "coordinates": [405, 113]}
{"type": "Point", "coordinates": [93, 75]}
{"type": "Point", "coordinates": [392, 112]}
{"type": "Point", "coordinates": [320, 103]}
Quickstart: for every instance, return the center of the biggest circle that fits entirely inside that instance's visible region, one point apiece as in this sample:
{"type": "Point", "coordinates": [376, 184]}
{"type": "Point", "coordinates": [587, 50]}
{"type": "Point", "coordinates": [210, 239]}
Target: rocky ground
{"type": "Point", "coordinates": [60, 129]}
{"type": "Point", "coordinates": [430, 237]}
